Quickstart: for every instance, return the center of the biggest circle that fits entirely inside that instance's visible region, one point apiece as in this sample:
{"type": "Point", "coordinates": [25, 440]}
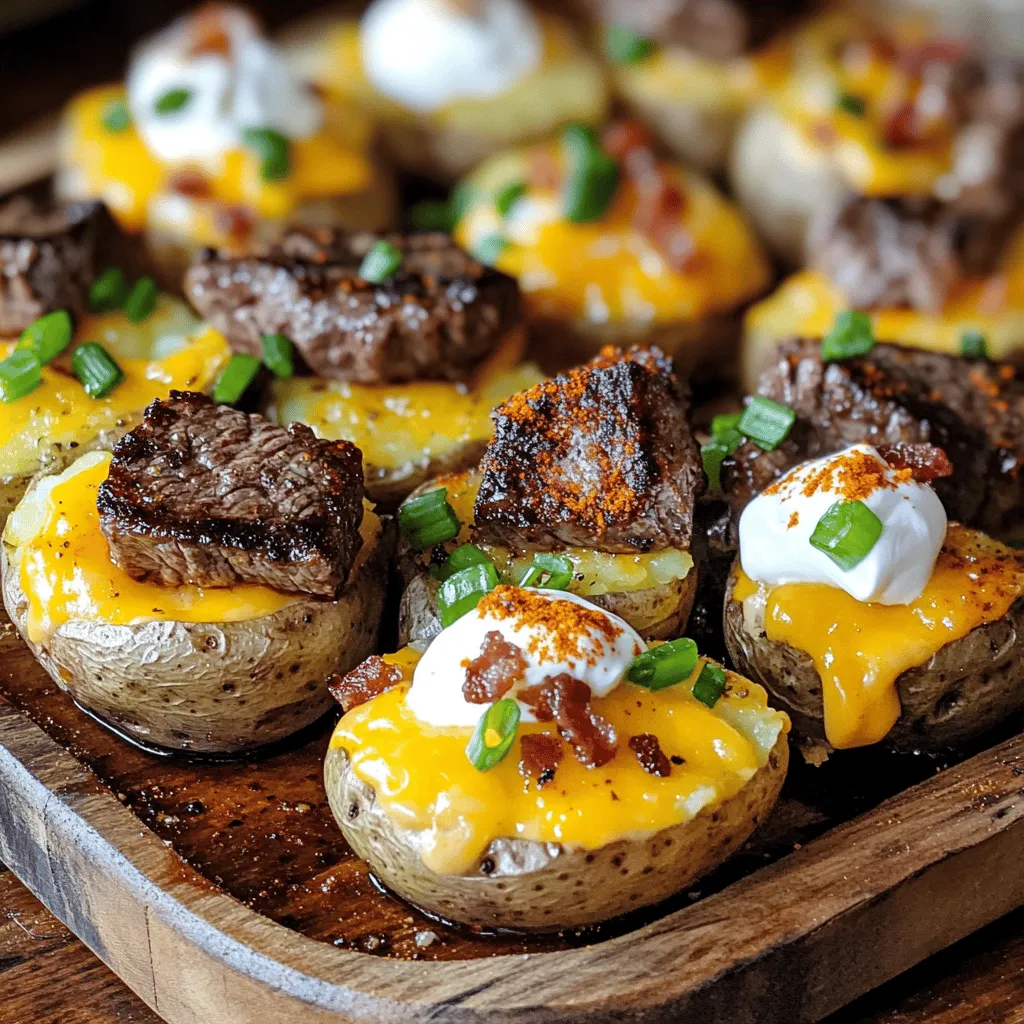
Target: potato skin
{"type": "Point", "coordinates": [213, 687]}
{"type": "Point", "coordinates": [530, 886]}
{"type": "Point", "coordinates": [965, 689]}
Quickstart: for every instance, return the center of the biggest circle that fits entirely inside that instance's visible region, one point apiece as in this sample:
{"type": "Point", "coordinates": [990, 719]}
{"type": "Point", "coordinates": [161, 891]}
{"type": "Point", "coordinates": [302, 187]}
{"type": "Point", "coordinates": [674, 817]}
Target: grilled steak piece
{"type": "Point", "coordinates": [203, 494]}
{"type": "Point", "coordinates": [438, 317]}
{"type": "Point", "coordinates": [972, 409]}
{"type": "Point", "coordinates": [48, 259]}
{"type": "Point", "coordinates": [601, 457]}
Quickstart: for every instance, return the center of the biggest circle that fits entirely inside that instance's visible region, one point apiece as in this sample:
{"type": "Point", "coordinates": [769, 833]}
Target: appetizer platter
{"type": "Point", "coordinates": [443, 580]}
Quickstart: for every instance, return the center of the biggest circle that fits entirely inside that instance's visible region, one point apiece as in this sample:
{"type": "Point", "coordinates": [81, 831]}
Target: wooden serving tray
{"type": "Point", "coordinates": [224, 892]}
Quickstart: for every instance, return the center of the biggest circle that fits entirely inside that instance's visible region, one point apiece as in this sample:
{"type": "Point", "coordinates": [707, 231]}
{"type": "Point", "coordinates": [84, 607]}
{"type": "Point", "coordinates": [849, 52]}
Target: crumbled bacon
{"type": "Point", "coordinates": [209, 33]}
{"type": "Point", "coordinates": [498, 667]}
{"type": "Point", "coordinates": [542, 754]}
{"type": "Point", "coordinates": [926, 462]}
{"type": "Point", "coordinates": [621, 138]}
{"type": "Point", "coordinates": [901, 127]}
{"type": "Point", "coordinates": [366, 681]}
{"type": "Point", "coordinates": [190, 182]}
{"type": "Point", "coordinates": [537, 699]}
{"type": "Point", "coordinates": [235, 221]}
{"type": "Point", "coordinates": [592, 738]}
{"type": "Point", "coordinates": [650, 755]}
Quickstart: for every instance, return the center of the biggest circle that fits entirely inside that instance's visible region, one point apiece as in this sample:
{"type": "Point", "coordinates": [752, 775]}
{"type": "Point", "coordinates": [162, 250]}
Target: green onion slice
{"type": "Point", "coordinates": [506, 197]}
{"type": "Point", "coordinates": [664, 665]}
{"type": "Point", "coordinates": [237, 376]}
{"type": "Point", "coordinates": [494, 733]}
{"type": "Point", "coordinates": [432, 215]}
{"type": "Point", "coordinates": [766, 423]}
{"type": "Point", "coordinates": [851, 335]}
{"type": "Point", "coordinates": [380, 263]}
{"type": "Point", "coordinates": [274, 151]}
{"type": "Point", "coordinates": [116, 116]}
{"type": "Point", "coordinates": [20, 374]}
{"type": "Point", "coordinates": [462, 199]}
{"type": "Point", "coordinates": [278, 356]}
{"type": "Point", "coordinates": [624, 46]}
{"type": "Point", "coordinates": [593, 176]}
{"type": "Point", "coordinates": [973, 345]}
{"type": "Point", "coordinates": [726, 424]}
{"type": "Point", "coordinates": [461, 558]}
{"type": "Point", "coordinates": [108, 291]}
{"type": "Point", "coordinates": [710, 684]}
{"type": "Point", "coordinates": [141, 300]}
{"type": "Point", "coordinates": [846, 533]}
{"type": "Point", "coordinates": [428, 520]}
{"type": "Point", "coordinates": [462, 592]}
{"type": "Point", "coordinates": [95, 368]}
{"type": "Point", "coordinates": [490, 248]}
{"type": "Point", "coordinates": [850, 104]}
{"type": "Point", "coordinates": [48, 336]}
{"type": "Point", "coordinates": [548, 572]}
{"type": "Point", "coordinates": [172, 101]}
{"type": "Point", "coordinates": [725, 439]}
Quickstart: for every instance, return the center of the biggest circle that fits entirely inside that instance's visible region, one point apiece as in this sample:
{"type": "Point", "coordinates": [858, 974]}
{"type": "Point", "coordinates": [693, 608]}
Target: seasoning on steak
{"type": "Point", "coordinates": [439, 316]}
{"type": "Point", "coordinates": [600, 457]}
{"type": "Point", "coordinates": [366, 681]}
{"type": "Point", "coordinates": [494, 671]}
{"type": "Point", "coordinates": [650, 755]}
{"type": "Point", "coordinates": [973, 410]}
{"type": "Point", "coordinates": [541, 756]}
{"type": "Point", "coordinates": [48, 259]}
{"type": "Point", "coordinates": [203, 494]}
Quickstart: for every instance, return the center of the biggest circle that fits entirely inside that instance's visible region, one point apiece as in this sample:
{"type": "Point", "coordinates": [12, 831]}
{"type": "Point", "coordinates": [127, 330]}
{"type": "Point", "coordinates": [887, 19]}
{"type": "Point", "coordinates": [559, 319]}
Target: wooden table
{"type": "Point", "coordinates": [48, 977]}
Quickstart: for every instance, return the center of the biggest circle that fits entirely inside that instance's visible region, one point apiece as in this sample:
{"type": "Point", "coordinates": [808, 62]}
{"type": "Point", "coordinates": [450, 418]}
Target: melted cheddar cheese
{"type": "Point", "coordinates": [167, 352]}
{"type": "Point", "coordinates": [115, 166]}
{"type": "Point", "coordinates": [607, 271]}
{"type": "Point", "coordinates": [860, 649]}
{"type": "Point", "coordinates": [425, 782]}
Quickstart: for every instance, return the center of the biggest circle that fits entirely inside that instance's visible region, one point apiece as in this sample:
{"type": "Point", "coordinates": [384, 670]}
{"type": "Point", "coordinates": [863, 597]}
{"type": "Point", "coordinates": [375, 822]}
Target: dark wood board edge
{"type": "Point", "coordinates": [790, 943]}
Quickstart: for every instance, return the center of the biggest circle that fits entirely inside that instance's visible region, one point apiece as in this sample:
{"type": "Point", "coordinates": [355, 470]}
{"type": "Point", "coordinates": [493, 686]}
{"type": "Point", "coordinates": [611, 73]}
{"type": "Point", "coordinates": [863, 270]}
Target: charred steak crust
{"type": "Point", "coordinates": [200, 493]}
{"type": "Point", "coordinates": [601, 457]}
{"type": "Point", "coordinates": [438, 317]}
{"type": "Point", "coordinates": [48, 259]}
{"type": "Point", "coordinates": [972, 409]}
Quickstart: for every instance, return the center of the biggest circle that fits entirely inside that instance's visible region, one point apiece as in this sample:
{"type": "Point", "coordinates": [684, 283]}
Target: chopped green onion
{"type": "Point", "coordinates": [20, 374]}
{"type": "Point", "coordinates": [237, 376]}
{"type": "Point", "coordinates": [726, 423]}
{"type": "Point", "coordinates": [710, 684]}
{"type": "Point", "coordinates": [172, 101]}
{"type": "Point", "coordinates": [380, 263]}
{"type": "Point", "coordinates": [462, 200]}
{"type": "Point", "coordinates": [274, 151]}
{"type": "Point", "coordinates": [664, 665]}
{"type": "Point", "coordinates": [489, 249]}
{"type": "Point", "coordinates": [593, 175]}
{"type": "Point", "coordinates": [725, 439]}
{"type": "Point", "coordinates": [548, 572]}
{"type": "Point", "coordinates": [48, 336]}
{"type": "Point", "coordinates": [850, 104]}
{"type": "Point", "coordinates": [97, 371]}
{"type": "Point", "coordinates": [507, 197]}
{"type": "Point", "coordinates": [846, 533]}
{"type": "Point", "coordinates": [428, 520]}
{"type": "Point", "coordinates": [494, 733]}
{"type": "Point", "coordinates": [108, 291]}
{"type": "Point", "coordinates": [432, 215]}
{"type": "Point", "coordinates": [973, 345]}
{"type": "Point", "coordinates": [766, 422]}
{"type": "Point", "coordinates": [624, 46]}
{"type": "Point", "coordinates": [279, 356]}
{"type": "Point", "coordinates": [850, 336]}
{"type": "Point", "coordinates": [462, 592]}
{"type": "Point", "coordinates": [141, 300]}
{"type": "Point", "coordinates": [116, 116]}
{"type": "Point", "coordinates": [462, 557]}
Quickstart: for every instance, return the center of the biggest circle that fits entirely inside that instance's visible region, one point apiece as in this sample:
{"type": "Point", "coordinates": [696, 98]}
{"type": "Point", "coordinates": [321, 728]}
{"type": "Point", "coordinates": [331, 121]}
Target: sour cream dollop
{"type": "Point", "coordinates": [232, 79]}
{"type": "Point", "coordinates": [427, 53]}
{"type": "Point", "coordinates": [557, 632]}
{"type": "Point", "coordinates": [776, 528]}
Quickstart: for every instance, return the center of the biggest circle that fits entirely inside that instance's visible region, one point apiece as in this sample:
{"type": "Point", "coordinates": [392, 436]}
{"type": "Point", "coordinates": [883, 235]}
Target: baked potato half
{"type": "Point", "coordinates": [237, 670]}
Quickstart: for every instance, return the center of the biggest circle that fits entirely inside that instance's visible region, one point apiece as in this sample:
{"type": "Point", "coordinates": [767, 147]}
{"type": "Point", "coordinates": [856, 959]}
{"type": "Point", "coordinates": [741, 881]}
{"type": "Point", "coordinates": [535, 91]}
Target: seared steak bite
{"type": "Point", "coordinates": [203, 494]}
{"type": "Point", "coordinates": [972, 409]}
{"type": "Point", "coordinates": [439, 316]}
{"type": "Point", "coordinates": [48, 259]}
{"type": "Point", "coordinates": [600, 457]}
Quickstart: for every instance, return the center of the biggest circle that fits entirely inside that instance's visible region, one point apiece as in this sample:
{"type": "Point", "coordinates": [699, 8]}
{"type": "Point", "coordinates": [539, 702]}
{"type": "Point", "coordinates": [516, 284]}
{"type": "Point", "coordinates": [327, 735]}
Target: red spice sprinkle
{"type": "Point", "coordinates": [542, 754]}
{"type": "Point", "coordinates": [498, 667]}
{"type": "Point", "coordinates": [650, 755]}
{"type": "Point", "coordinates": [794, 520]}
{"type": "Point", "coordinates": [854, 475]}
{"type": "Point", "coordinates": [366, 681]}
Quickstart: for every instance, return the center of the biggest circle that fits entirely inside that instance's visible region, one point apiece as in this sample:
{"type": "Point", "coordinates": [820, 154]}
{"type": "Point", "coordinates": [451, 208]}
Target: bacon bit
{"type": "Point", "coordinates": [190, 182]}
{"type": "Point", "coordinates": [537, 699]}
{"type": "Point", "coordinates": [621, 138]}
{"type": "Point", "coordinates": [650, 755]}
{"type": "Point", "coordinates": [824, 134]}
{"type": "Point", "coordinates": [366, 681]}
{"type": "Point", "coordinates": [542, 754]}
{"type": "Point", "coordinates": [209, 33]}
{"type": "Point", "coordinates": [235, 221]}
{"type": "Point", "coordinates": [499, 666]}
{"type": "Point", "coordinates": [901, 126]}
{"type": "Point", "coordinates": [542, 170]}
{"type": "Point", "coordinates": [926, 462]}
{"type": "Point", "coordinates": [592, 738]}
